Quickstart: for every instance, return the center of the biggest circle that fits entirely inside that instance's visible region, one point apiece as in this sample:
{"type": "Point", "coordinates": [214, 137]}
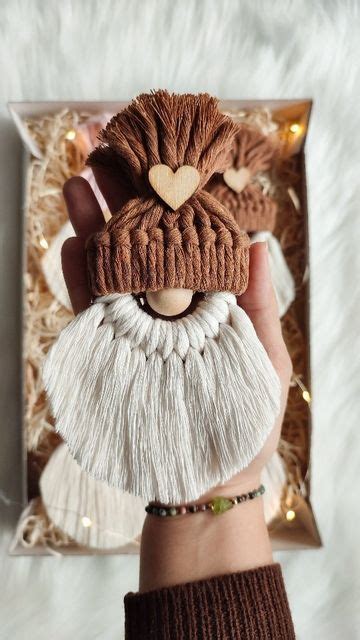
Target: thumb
{"type": "Point", "coordinates": [259, 303]}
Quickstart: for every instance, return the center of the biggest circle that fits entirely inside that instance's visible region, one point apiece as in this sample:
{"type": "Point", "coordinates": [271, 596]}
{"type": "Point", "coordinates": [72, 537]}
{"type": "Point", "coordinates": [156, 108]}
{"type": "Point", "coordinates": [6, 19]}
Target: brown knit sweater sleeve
{"type": "Point", "coordinates": [251, 605]}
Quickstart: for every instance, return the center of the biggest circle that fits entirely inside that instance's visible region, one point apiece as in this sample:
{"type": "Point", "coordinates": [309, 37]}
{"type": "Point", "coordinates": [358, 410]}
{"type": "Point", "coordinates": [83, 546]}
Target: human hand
{"type": "Point", "coordinates": [238, 539]}
{"type": "Point", "coordinates": [258, 301]}
{"type": "Point", "coordinates": [196, 547]}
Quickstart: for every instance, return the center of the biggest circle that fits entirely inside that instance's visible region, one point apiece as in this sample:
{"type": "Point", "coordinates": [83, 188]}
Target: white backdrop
{"type": "Point", "coordinates": [111, 49]}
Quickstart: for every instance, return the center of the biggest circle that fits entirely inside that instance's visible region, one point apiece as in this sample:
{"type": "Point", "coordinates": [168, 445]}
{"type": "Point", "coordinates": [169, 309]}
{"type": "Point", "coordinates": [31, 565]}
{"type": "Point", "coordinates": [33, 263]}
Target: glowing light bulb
{"type": "Point", "coordinates": [290, 515]}
{"type": "Point", "coordinates": [70, 135]}
{"type": "Point", "coordinates": [43, 243]}
{"type": "Point", "coordinates": [295, 127]}
{"type": "Point", "coordinates": [306, 395]}
{"type": "Point", "coordinates": [86, 522]}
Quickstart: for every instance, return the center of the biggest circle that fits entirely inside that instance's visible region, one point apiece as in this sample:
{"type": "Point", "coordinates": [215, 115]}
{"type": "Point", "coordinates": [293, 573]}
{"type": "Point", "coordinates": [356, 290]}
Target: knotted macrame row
{"type": "Point", "coordinates": [165, 336]}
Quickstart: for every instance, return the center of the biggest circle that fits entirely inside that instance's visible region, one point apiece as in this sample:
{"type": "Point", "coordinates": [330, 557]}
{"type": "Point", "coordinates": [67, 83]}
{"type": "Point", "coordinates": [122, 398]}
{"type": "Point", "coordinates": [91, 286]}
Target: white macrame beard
{"type": "Point", "coordinates": [163, 409]}
{"type": "Point", "coordinates": [281, 275]}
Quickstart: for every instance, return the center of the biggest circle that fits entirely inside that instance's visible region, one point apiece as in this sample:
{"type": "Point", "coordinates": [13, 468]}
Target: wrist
{"type": "Point", "coordinates": [201, 545]}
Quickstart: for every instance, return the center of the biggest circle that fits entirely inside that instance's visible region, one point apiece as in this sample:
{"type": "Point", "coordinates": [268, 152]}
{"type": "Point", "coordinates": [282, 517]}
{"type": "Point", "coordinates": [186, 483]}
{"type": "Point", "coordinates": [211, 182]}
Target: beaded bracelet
{"type": "Point", "coordinates": [217, 505]}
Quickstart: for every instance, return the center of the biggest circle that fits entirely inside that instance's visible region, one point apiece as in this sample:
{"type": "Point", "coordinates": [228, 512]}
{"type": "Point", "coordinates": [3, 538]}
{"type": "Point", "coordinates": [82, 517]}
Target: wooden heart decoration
{"type": "Point", "coordinates": [237, 179]}
{"type": "Point", "coordinates": [174, 188]}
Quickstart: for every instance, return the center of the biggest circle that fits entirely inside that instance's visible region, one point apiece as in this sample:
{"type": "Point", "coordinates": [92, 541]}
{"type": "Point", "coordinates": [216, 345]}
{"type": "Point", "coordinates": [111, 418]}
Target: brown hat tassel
{"type": "Point", "coordinates": [171, 233]}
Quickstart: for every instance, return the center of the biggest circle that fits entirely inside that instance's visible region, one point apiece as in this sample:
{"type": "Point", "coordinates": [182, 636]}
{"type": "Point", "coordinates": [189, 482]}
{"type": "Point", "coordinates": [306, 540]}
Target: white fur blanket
{"type": "Point", "coordinates": [110, 49]}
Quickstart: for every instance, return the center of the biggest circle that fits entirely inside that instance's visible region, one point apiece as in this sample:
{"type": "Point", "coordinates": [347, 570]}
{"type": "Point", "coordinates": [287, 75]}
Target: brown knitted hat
{"type": "Point", "coordinates": [148, 245]}
{"type": "Point", "coordinates": [252, 152]}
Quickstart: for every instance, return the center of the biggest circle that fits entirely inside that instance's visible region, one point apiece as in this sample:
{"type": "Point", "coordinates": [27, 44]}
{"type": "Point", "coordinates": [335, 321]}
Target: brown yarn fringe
{"type": "Point", "coordinates": [146, 245]}
{"type": "Point", "coordinates": [166, 128]}
{"type": "Point", "coordinates": [251, 208]}
{"type": "Point", "coordinates": [251, 149]}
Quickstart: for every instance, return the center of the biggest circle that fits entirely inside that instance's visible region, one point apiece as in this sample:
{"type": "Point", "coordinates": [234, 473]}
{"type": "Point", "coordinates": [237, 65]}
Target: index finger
{"type": "Point", "coordinates": [115, 191]}
{"type": "Point", "coordinates": [84, 210]}
{"type": "Point", "coordinates": [86, 217]}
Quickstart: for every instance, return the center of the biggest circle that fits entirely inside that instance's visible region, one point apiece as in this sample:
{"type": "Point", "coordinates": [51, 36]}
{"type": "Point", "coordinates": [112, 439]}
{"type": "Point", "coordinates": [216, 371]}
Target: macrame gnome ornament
{"type": "Point", "coordinates": [160, 405]}
{"type": "Point", "coordinates": [240, 190]}
{"type": "Point", "coordinates": [88, 510]}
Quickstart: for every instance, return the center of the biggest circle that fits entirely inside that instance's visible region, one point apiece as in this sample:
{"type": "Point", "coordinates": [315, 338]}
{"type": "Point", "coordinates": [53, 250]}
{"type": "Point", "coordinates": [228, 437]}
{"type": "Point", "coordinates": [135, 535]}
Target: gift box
{"type": "Point", "coordinates": [57, 138]}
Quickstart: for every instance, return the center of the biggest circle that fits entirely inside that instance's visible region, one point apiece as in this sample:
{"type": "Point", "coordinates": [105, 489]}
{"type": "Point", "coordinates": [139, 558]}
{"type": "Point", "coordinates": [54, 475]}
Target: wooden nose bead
{"type": "Point", "coordinates": [169, 302]}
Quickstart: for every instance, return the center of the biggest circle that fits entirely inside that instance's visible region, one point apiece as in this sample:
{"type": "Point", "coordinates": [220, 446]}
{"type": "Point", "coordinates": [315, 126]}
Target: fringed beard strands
{"type": "Point", "coordinates": [159, 408]}
{"type": "Point", "coordinates": [102, 517]}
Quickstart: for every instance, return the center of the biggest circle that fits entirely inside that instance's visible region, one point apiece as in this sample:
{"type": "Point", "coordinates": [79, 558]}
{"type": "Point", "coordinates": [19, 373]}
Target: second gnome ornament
{"type": "Point", "coordinates": [239, 189]}
{"type": "Point", "coordinates": [164, 408]}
